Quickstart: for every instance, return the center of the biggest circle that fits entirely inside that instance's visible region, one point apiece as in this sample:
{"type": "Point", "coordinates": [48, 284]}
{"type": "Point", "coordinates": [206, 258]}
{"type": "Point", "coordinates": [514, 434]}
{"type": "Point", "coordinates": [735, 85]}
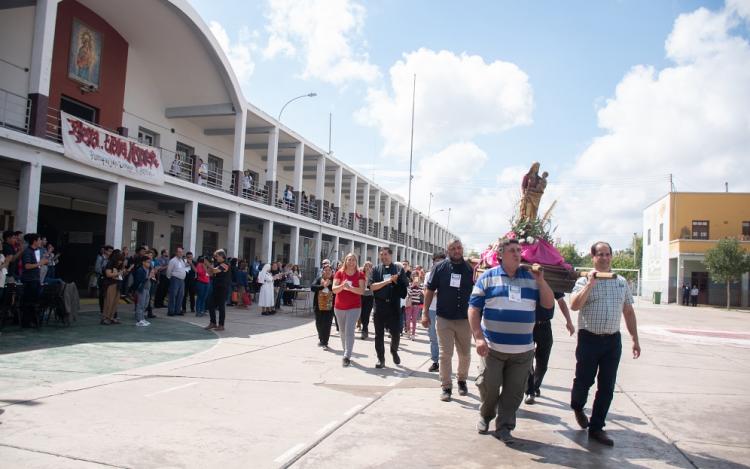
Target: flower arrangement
{"type": "Point", "coordinates": [529, 231]}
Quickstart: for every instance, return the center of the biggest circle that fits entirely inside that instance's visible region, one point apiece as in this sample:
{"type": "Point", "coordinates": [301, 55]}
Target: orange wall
{"type": "Point", "coordinates": [725, 213]}
{"type": "Point", "coordinates": [110, 96]}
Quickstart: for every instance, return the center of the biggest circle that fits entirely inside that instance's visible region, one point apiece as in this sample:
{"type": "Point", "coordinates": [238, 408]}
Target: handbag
{"type": "Point", "coordinates": [246, 300]}
{"type": "Point", "coordinates": [235, 297]}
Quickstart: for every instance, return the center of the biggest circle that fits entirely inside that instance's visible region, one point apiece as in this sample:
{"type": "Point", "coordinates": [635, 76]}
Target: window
{"type": "Point", "coordinates": [746, 231]}
{"type": "Point", "coordinates": [661, 231]}
{"type": "Point", "coordinates": [79, 109]}
{"type": "Point", "coordinates": [185, 156]}
{"type": "Point", "coordinates": [210, 242]}
{"type": "Point", "coordinates": [175, 238]}
{"type": "Point", "coordinates": [141, 234]}
{"type": "Point", "coordinates": [648, 237]}
{"type": "Point", "coordinates": [700, 229]}
{"type": "Point", "coordinates": [215, 169]}
{"type": "Point", "coordinates": [148, 137]}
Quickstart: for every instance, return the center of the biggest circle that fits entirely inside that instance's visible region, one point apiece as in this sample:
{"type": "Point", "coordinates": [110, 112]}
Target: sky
{"type": "Point", "coordinates": [615, 99]}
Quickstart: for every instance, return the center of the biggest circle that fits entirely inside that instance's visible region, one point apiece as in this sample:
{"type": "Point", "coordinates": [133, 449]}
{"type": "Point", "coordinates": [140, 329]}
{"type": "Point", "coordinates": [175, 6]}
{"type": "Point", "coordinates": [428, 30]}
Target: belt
{"type": "Point", "coordinates": [543, 321]}
{"type": "Point", "coordinates": [599, 335]}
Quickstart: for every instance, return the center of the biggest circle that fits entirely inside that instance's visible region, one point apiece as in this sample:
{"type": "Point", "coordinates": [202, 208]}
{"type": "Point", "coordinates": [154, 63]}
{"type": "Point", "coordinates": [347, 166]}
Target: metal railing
{"type": "Point", "coordinates": [15, 111]}
{"type": "Point", "coordinates": [53, 129]}
{"type": "Point", "coordinates": [255, 193]}
{"type": "Point", "coordinates": [176, 165]}
{"type": "Point", "coordinates": [309, 210]}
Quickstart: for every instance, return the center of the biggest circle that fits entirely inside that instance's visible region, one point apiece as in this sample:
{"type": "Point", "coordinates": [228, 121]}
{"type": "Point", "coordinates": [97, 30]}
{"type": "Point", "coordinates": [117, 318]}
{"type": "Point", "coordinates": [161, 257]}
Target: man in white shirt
{"type": "Point", "coordinates": [176, 272]}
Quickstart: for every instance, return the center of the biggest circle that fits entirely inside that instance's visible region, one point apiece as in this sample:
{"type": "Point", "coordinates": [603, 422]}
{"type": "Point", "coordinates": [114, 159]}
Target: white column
{"type": "Point", "coordinates": [366, 200]}
{"type": "Point", "coordinates": [378, 217]}
{"type": "Point", "coordinates": [233, 234]}
{"type": "Point", "coordinates": [299, 161]}
{"type": "Point", "coordinates": [350, 249]}
{"type": "Point", "coordinates": [266, 249]}
{"type": "Point", "coordinates": [238, 156]}
{"type": "Point", "coordinates": [353, 194]}
{"type": "Point", "coordinates": [294, 245]}
{"type": "Point", "coordinates": [365, 253]}
{"type": "Point", "coordinates": [336, 254]}
{"type": "Point", "coordinates": [273, 152]}
{"type": "Point", "coordinates": [27, 210]}
{"type": "Point", "coordinates": [396, 216]}
{"type": "Point", "coordinates": [45, 16]}
{"type": "Point", "coordinates": [115, 214]}
{"type": "Point", "coordinates": [387, 218]}
{"type": "Point", "coordinates": [337, 183]}
{"type": "Point", "coordinates": [318, 248]}
{"type": "Point", "coordinates": [190, 226]}
{"type": "Point", "coordinates": [320, 178]}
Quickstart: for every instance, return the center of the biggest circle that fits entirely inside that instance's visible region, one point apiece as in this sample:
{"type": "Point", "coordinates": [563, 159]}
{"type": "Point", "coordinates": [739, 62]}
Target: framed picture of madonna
{"type": "Point", "coordinates": [84, 63]}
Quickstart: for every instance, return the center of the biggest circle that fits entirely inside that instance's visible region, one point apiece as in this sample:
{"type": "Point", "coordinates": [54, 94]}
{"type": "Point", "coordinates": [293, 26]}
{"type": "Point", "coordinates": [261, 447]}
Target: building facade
{"type": "Point", "coordinates": [126, 125]}
{"type": "Point", "coordinates": [678, 229]}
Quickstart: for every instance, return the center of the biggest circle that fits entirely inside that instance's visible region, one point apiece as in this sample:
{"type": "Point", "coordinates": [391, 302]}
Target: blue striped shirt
{"type": "Point", "coordinates": [508, 326]}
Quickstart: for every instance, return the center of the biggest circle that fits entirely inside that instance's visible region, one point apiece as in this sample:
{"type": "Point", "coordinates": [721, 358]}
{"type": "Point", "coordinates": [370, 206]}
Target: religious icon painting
{"type": "Point", "coordinates": [84, 63]}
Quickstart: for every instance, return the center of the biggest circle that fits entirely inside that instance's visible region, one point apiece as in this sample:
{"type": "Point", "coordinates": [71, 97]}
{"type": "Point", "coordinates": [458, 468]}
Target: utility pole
{"type": "Point", "coordinates": [411, 160]}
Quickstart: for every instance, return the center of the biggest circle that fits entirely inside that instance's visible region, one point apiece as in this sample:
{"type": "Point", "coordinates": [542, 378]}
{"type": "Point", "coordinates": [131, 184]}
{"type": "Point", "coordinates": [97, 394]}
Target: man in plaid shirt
{"type": "Point", "coordinates": [600, 303]}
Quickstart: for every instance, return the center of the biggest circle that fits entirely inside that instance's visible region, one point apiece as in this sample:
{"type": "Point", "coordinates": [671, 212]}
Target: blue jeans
{"type": "Point", "coordinates": [200, 302]}
{"type": "Point", "coordinates": [596, 353]}
{"type": "Point", "coordinates": [434, 348]}
{"type": "Point", "coordinates": [176, 292]}
{"type": "Point", "coordinates": [140, 306]}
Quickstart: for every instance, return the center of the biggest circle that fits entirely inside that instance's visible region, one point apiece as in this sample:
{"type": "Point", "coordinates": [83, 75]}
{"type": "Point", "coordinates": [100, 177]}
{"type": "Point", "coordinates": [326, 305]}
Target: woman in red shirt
{"type": "Point", "coordinates": [201, 283]}
{"type": "Point", "coordinates": [348, 286]}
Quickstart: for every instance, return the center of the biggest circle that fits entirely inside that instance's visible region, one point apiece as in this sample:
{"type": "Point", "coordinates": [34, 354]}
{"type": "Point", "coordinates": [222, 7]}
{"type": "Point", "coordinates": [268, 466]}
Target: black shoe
{"type": "Point", "coordinates": [380, 364]}
{"type": "Point", "coordinates": [601, 437]}
{"type": "Point", "coordinates": [537, 393]}
{"type": "Point", "coordinates": [530, 399]}
{"type": "Point", "coordinates": [180, 314]}
{"type": "Point", "coordinates": [434, 367]}
{"type": "Point", "coordinates": [581, 418]}
{"type": "Point", "coordinates": [363, 336]}
{"type": "Point", "coordinates": [445, 396]}
{"type": "Point", "coordinates": [504, 435]}
{"type": "Point", "coordinates": [346, 362]}
{"type": "Point", "coordinates": [483, 426]}
{"type": "Point", "coordinates": [321, 344]}
{"type": "Point", "coordinates": [396, 358]}
{"type": "Point", "coordinates": [462, 389]}
{"type": "Point", "coordinates": [151, 316]}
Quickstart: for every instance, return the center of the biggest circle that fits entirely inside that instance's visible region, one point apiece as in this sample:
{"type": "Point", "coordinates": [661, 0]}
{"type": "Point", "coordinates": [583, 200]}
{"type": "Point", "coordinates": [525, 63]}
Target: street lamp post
{"type": "Point", "coordinates": [308, 95]}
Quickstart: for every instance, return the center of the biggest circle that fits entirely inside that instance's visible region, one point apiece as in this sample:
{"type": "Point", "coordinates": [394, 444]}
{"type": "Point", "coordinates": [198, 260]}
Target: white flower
{"type": "Point", "coordinates": [530, 240]}
{"type": "Point", "coordinates": [523, 232]}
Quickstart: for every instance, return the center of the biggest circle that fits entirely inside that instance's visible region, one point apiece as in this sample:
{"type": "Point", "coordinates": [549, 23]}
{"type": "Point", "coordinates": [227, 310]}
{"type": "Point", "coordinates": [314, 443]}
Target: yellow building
{"type": "Point", "coordinates": [677, 231]}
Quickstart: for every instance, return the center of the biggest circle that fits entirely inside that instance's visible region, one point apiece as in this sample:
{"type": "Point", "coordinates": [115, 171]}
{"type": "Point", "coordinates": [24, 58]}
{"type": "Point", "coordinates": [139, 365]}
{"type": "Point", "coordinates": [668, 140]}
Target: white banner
{"type": "Point", "coordinates": [110, 152]}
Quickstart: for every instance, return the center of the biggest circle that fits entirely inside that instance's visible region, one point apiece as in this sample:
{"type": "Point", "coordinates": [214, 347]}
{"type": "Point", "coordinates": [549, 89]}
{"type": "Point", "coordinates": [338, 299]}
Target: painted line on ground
{"type": "Point", "coordinates": [175, 388]}
{"type": "Point", "coordinates": [289, 454]}
{"type": "Point", "coordinates": [328, 427]}
{"type": "Point", "coordinates": [353, 410]}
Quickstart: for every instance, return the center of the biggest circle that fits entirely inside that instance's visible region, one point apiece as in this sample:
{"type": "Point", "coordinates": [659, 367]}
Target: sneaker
{"type": "Point", "coordinates": [462, 389]}
{"type": "Point", "coordinates": [530, 399]}
{"type": "Point", "coordinates": [346, 362]}
{"type": "Point", "coordinates": [147, 323]}
{"type": "Point", "coordinates": [483, 426]}
{"type": "Point", "coordinates": [396, 358]}
{"type": "Point", "coordinates": [504, 435]}
{"type": "Point", "coordinates": [141, 323]}
{"type": "Point", "coordinates": [434, 367]}
{"type": "Point", "coordinates": [445, 396]}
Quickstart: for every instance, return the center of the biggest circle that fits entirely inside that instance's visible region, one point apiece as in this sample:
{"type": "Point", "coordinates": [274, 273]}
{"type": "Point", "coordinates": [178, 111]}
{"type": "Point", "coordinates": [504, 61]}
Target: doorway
{"type": "Point", "coordinates": [700, 279]}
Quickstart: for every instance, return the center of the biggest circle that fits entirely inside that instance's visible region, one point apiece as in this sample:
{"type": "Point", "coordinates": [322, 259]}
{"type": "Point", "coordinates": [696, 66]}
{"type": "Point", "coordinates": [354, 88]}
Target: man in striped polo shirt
{"type": "Point", "coordinates": [502, 315]}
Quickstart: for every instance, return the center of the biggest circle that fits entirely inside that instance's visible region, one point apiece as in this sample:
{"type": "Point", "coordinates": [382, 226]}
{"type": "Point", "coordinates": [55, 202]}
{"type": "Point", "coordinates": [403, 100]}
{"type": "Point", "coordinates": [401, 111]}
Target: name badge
{"type": "Point", "coordinates": [456, 280]}
{"type": "Point", "coordinates": [514, 294]}
{"type": "Point", "coordinates": [386, 276]}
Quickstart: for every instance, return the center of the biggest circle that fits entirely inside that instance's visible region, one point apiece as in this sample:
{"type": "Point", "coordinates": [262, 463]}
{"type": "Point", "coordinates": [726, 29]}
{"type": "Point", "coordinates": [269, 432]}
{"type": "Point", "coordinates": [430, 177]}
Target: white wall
{"type": "Point", "coordinates": [16, 38]}
{"type": "Point", "coordinates": [656, 255]}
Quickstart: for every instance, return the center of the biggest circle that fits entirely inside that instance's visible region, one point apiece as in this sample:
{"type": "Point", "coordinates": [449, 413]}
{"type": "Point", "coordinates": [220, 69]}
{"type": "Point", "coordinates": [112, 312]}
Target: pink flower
{"type": "Point", "coordinates": [510, 235]}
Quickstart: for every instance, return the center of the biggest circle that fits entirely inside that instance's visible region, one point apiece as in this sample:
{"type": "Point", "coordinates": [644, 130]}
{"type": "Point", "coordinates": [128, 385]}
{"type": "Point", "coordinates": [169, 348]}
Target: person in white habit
{"type": "Point", "coordinates": [266, 298]}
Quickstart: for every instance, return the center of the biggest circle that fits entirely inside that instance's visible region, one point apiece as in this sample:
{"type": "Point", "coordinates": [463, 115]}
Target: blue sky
{"type": "Point", "coordinates": [567, 58]}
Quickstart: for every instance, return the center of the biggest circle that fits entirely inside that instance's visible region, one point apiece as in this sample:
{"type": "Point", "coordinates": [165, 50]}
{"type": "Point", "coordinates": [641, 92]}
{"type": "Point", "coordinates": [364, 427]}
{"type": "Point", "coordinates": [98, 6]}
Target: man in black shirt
{"type": "Point", "coordinates": [389, 284]}
{"type": "Point", "coordinates": [453, 279]}
{"type": "Point", "coordinates": [30, 278]}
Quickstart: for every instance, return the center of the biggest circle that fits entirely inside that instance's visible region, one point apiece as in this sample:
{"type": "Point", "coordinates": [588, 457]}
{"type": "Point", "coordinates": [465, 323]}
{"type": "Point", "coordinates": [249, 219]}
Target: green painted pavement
{"type": "Point", "coordinates": [56, 353]}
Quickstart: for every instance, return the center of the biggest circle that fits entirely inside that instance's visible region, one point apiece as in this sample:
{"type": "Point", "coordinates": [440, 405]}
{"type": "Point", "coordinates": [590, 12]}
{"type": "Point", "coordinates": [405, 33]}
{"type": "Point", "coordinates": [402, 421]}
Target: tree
{"type": "Point", "coordinates": [624, 260]}
{"type": "Point", "coordinates": [726, 262]}
{"type": "Point", "coordinates": [570, 254]}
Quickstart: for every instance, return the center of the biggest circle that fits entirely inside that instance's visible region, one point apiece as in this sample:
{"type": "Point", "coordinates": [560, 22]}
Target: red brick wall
{"type": "Point", "coordinates": [110, 96]}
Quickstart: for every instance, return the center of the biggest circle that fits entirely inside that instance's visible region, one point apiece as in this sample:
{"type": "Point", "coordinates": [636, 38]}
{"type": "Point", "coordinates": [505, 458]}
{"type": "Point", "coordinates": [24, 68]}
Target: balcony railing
{"type": "Point", "coordinates": [309, 210]}
{"type": "Point", "coordinates": [15, 111]}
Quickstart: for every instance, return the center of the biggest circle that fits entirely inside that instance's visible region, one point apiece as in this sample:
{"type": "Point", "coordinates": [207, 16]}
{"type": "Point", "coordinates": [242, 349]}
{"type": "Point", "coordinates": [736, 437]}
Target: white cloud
{"type": "Point", "coordinates": [458, 97]}
{"type": "Point", "coordinates": [691, 120]}
{"type": "Point", "coordinates": [239, 52]}
{"type": "Point", "coordinates": [324, 34]}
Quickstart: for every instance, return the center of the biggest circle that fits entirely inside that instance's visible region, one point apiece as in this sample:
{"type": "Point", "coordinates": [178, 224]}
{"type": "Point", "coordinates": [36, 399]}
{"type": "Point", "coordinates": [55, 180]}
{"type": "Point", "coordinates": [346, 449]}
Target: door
{"type": "Point", "coordinates": [210, 242]}
{"type": "Point", "coordinates": [175, 239]}
{"type": "Point", "coordinates": [701, 280]}
{"type": "Point", "coordinates": [248, 249]}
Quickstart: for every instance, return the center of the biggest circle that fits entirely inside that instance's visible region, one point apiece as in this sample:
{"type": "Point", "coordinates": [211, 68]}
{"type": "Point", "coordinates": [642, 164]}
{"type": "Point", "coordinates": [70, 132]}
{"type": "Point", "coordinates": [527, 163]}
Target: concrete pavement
{"type": "Point", "coordinates": [264, 395]}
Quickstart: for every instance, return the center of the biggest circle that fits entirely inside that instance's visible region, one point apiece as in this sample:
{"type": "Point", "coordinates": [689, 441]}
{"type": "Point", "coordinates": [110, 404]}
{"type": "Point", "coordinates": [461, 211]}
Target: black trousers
{"type": "Point", "coordinates": [30, 304]}
{"type": "Point", "coordinates": [596, 356]}
{"type": "Point", "coordinates": [686, 299]}
{"type": "Point", "coordinates": [694, 300]}
{"type": "Point", "coordinates": [190, 291]}
{"type": "Point", "coordinates": [364, 316]}
{"type": "Point", "coordinates": [387, 316]}
{"type": "Point", "coordinates": [543, 341]}
{"type": "Point", "coordinates": [323, 321]}
{"type": "Point", "coordinates": [100, 289]}
{"type": "Point", "coordinates": [218, 301]}
{"type": "Point", "coordinates": [162, 288]}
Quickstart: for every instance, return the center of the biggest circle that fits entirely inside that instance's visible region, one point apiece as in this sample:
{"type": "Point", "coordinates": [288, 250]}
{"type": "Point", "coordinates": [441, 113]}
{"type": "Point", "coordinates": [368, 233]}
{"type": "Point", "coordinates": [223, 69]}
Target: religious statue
{"type": "Point", "coordinates": [532, 188]}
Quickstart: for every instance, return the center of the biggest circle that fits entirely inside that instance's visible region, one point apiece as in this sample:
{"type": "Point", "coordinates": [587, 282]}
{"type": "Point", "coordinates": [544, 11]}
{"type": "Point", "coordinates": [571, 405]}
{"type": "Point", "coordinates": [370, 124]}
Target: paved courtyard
{"type": "Point", "coordinates": [262, 394]}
